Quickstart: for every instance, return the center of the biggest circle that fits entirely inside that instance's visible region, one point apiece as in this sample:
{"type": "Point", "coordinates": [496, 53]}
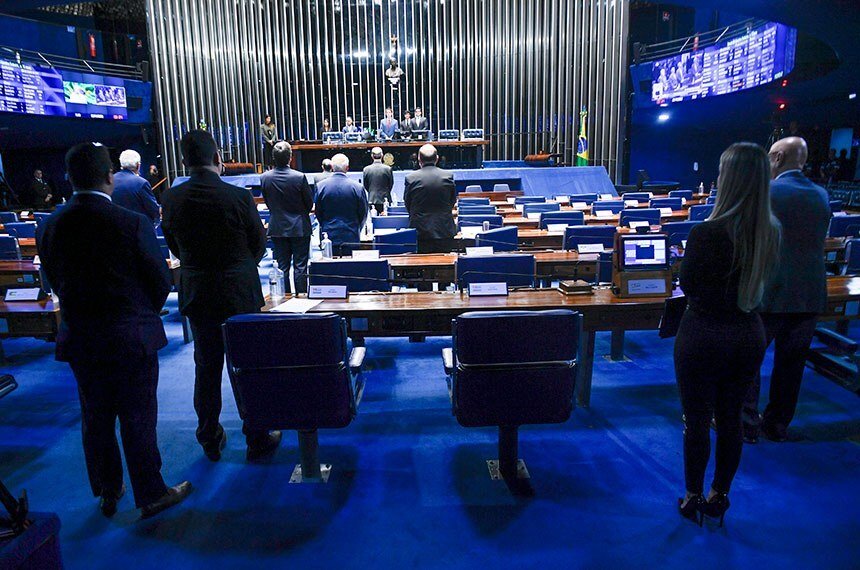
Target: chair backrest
{"type": "Point", "coordinates": [576, 235]}
{"type": "Point", "coordinates": [21, 229]}
{"type": "Point", "coordinates": [508, 375]}
{"type": "Point", "coordinates": [683, 194]}
{"type": "Point", "coordinates": [472, 210]}
{"type": "Point", "coordinates": [843, 226]}
{"type": "Point", "coordinates": [397, 211]}
{"type": "Point", "coordinates": [586, 198]}
{"type": "Point", "coordinates": [473, 202]}
{"type": "Point", "coordinates": [568, 217]}
{"type": "Point", "coordinates": [614, 206]}
{"type": "Point", "coordinates": [357, 275]}
{"type": "Point", "coordinates": [389, 222]}
{"type": "Point", "coordinates": [9, 248]}
{"type": "Point", "coordinates": [479, 219]}
{"type": "Point", "coordinates": [474, 188]}
{"type": "Point", "coordinates": [502, 187]}
{"type": "Point", "coordinates": [835, 206]}
{"type": "Point", "coordinates": [162, 243]}
{"type": "Point", "coordinates": [700, 212]}
{"type": "Point", "coordinates": [8, 217]}
{"type": "Point", "coordinates": [538, 208]}
{"type": "Point", "coordinates": [517, 270]}
{"type": "Point", "coordinates": [265, 215]}
{"type": "Point", "coordinates": [678, 231]}
{"type": "Point", "coordinates": [650, 215]}
{"type": "Point", "coordinates": [638, 196]}
{"type": "Point", "coordinates": [852, 257]}
{"type": "Point", "coordinates": [500, 239]}
{"type": "Point", "coordinates": [713, 193]}
{"type": "Point", "coordinates": [711, 200]}
{"type": "Point", "coordinates": [397, 242]}
{"type": "Point", "coordinates": [290, 371]}
{"type": "Point", "coordinates": [529, 199]}
{"type": "Point", "coordinates": [674, 203]}
{"type": "Point", "coordinates": [41, 216]}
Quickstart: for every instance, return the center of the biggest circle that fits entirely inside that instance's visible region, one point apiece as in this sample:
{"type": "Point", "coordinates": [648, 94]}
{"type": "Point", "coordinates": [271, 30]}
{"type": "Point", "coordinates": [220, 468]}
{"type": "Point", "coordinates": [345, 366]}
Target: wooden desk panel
{"type": "Point", "coordinates": [299, 146]}
{"type": "Point", "coordinates": [19, 274]}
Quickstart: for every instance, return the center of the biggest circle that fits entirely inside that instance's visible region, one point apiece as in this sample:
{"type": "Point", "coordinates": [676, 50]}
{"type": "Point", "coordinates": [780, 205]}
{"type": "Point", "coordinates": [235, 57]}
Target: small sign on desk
{"type": "Point", "coordinates": [328, 292]}
{"type": "Point", "coordinates": [589, 248]}
{"type": "Point", "coordinates": [603, 214]}
{"type": "Point", "coordinates": [579, 205]}
{"type": "Point", "coordinates": [484, 250]}
{"type": "Point", "coordinates": [533, 216]}
{"type": "Point", "coordinates": [639, 224]}
{"type": "Point", "coordinates": [556, 227]}
{"type": "Point", "coordinates": [631, 203]}
{"type": "Point", "coordinates": [24, 294]}
{"type": "Point", "coordinates": [607, 197]}
{"type": "Point", "coordinates": [562, 199]}
{"type": "Point", "coordinates": [665, 211]}
{"type": "Point", "coordinates": [359, 254]}
{"type": "Point", "coordinates": [488, 289]}
{"type": "Point", "coordinates": [470, 231]}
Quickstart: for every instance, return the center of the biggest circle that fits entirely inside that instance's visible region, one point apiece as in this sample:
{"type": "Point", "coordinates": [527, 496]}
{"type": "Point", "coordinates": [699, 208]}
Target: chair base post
{"type": "Point", "coordinates": [309, 469]}
{"type": "Point", "coordinates": [508, 468]}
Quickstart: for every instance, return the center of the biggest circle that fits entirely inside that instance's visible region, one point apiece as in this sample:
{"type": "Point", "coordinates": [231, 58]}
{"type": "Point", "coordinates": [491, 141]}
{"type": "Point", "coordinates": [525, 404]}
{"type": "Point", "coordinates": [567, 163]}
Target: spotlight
{"type": "Point", "coordinates": [785, 82]}
{"type": "Point", "coordinates": [781, 106]}
{"type": "Point", "coordinates": [663, 117]}
{"type": "Point", "coordinates": [852, 96]}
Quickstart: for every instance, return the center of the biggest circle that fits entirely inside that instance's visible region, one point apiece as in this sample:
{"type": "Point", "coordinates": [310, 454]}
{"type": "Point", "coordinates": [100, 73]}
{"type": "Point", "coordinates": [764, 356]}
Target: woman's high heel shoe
{"type": "Point", "coordinates": [692, 508]}
{"type": "Point", "coordinates": [716, 507]}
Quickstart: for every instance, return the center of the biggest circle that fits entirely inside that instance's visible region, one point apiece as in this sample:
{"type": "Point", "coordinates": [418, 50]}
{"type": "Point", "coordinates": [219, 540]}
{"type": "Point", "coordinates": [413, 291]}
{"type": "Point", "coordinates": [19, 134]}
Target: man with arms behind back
{"type": "Point", "coordinates": [215, 231]}
{"type": "Point", "coordinates": [798, 292]}
{"type": "Point", "coordinates": [378, 180]}
{"type": "Point", "coordinates": [430, 197]}
{"type": "Point", "coordinates": [341, 207]}
{"type": "Point", "coordinates": [132, 191]}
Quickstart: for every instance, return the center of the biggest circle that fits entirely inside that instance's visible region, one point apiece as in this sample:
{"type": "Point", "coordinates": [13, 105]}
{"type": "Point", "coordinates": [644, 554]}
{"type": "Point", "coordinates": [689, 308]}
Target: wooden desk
{"type": "Point", "coordinates": [523, 223]}
{"type": "Point", "coordinates": [19, 274]}
{"type": "Point", "coordinates": [457, 154]}
{"type": "Point", "coordinates": [28, 247]}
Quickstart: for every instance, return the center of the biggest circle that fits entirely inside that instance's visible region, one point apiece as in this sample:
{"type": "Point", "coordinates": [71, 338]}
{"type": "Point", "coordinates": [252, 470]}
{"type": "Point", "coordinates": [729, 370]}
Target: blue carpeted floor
{"type": "Point", "coordinates": [410, 487]}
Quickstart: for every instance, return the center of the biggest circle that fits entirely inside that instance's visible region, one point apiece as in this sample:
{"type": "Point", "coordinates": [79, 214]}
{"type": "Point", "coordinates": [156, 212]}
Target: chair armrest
{"type": "Point", "coordinates": [448, 360]}
{"type": "Point", "coordinates": [356, 359]}
{"type": "Point", "coordinates": [836, 341]}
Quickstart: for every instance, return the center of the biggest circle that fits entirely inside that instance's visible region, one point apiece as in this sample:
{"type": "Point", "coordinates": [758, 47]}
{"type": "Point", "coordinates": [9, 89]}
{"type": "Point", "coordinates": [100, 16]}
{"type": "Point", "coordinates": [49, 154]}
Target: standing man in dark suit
{"type": "Point", "coordinates": [798, 292]}
{"type": "Point", "coordinates": [215, 231]}
{"type": "Point", "coordinates": [430, 197]}
{"type": "Point", "coordinates": [378, 180]}
{"type": "Point", "coordinates": [288, 196]}
{"type": "Point", "coordinates": [132, 191]}
{"type": "Point", "coordinates": [420, 122]}
{"type": "Point", "coordinates": [106, 267]}
{"type": "Point", "coordinates": [41, 192]}
{"type": "Point", "coordinates": [341, 207]}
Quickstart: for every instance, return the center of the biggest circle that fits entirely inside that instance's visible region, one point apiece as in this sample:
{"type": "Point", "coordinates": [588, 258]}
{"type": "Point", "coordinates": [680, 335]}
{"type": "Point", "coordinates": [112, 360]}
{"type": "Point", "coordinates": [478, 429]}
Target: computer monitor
{"type": "Point", "coordinates": [421, 135]}
{"type": "Point", "coordinates": [332, 137]}
{"type": "Point", "coordinates": [644, 252]}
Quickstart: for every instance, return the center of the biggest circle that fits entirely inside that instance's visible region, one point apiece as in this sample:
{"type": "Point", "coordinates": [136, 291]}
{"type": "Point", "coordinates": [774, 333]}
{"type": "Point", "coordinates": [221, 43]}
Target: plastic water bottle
{"type": "Point", "coordinates": [701, 187]}
{"type": "Point", "coordinates": [485, 225]}
{"type": "Point", "coordinates": [276, 282]}
{"type": "Point", "coordinates": [326, 247]}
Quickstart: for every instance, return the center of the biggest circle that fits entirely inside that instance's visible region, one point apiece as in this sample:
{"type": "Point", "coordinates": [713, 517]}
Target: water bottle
{"type": "Point", "coordinates": [701, 187]}
{"type": "Point", "coordinates": [276, 282]}
{"type": "Point", "coordinates": [326, 247]}
{"type": "Point", "coordinates": [485, 225]}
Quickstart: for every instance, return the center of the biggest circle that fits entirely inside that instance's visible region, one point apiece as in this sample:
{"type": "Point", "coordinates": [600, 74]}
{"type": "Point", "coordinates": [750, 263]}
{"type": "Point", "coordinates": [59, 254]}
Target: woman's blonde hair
{"type": "Point", "coordinates": [743, 203]}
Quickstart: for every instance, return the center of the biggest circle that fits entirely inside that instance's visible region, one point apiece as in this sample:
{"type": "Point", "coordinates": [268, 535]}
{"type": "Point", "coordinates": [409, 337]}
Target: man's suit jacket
{"type": "Point", "coordinates": [388, 127]}
{"type": "Point", "coordinates": [341, 209]}
{"type": "Point", "coordinates": [134, 193]}
{"type": "Point", "coordinates": [351, 129]}
{"type": "Point", "coordinates": [215, 231]}
{"type": "Point", "coordinates": [288, 196]}
{"type": "Point", "coordinates": [420, 123]}
{"type": "Point", "coordinates": [430, 196]}
{"type": "Point", "coordinates": [800, 284]}
{"type": "Point", "coordinates": [378, 180]}
{"type": "Point", "coordinates": [39, 190]}
{"type": "Point", "coordinates": [105, 265]}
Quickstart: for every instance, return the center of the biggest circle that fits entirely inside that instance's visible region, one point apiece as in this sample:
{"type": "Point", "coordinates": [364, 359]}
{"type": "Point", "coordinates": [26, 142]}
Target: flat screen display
{"type": "Point", "coordinates": [762, 55]}
{"type": "Point", "coordinates": [94, 96]}
{"type": "Point", "coordinates": [644, 252]}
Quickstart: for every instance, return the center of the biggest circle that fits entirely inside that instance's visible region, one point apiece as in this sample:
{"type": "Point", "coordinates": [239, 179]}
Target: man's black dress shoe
{"type": "Point", "coordinates": [775, 432]}
{"type": "Point", "coordinates": [264, 447]}
{"type": "Point", "coordinates": [213, 449]}
{"type": "Point", "coordinates": [108, 501]}
{"type": "Point", "coordinates": [173, 496]}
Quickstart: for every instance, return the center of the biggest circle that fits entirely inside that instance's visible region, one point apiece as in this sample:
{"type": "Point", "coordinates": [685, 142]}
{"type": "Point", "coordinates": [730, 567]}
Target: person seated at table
{"type": "Point", "coordinates": [132, 191]}
{"type": "Point", "coordinates": [350, 127]}
{"type": "Point", "coordinates": [430, 197]}
{"type": "Point", "coordinates": [389, 125]}
{"type": "Point", "coordinates": [341, 207]}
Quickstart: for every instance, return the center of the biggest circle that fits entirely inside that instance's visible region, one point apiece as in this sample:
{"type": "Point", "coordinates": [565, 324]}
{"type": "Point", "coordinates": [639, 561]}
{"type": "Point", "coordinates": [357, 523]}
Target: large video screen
{"type": "Point", "coordinates": [36, 90]}
{"type": "Point", "coordinates": [764, 54]}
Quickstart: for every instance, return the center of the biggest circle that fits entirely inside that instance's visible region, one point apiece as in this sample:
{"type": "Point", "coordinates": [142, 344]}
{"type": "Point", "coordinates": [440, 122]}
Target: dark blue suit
{"type": "Point", "coordinates": [105, 265]}
{"type": "Point", "coordinates": [794, 296]}
{"type": "Point", "coordinates": [288, 196]}
{"type": "Point", "coordinates": [341, 211]}
{"type": "Point", "coordinates": [134, 193]}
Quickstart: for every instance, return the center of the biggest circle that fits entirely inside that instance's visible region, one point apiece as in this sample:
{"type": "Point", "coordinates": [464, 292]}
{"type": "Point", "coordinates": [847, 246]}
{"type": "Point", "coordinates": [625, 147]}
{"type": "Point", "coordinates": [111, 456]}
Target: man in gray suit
{"type": "Point", "coordinates": [378, 180]}
{"type": "Point", "coordinates": [288, 196]}
{"type": "Point", "coordinates": [797, 293]}
{"type": "Point", "coordinates": [430, 197]}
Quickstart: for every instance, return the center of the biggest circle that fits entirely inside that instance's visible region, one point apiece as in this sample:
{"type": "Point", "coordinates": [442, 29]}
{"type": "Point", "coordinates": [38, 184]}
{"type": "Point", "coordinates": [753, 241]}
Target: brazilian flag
{"type": "Point", "coordinates": [582, 143]}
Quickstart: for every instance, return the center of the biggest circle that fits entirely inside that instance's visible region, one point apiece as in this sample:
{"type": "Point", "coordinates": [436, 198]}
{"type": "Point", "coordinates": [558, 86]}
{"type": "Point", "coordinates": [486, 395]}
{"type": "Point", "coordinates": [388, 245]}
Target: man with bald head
{"type": "Point", "coordinates": [378, 180]}
{"type": "Point", "coordinates": [797, 293]}
{"type": "Point", "coordinates": [430, 197]}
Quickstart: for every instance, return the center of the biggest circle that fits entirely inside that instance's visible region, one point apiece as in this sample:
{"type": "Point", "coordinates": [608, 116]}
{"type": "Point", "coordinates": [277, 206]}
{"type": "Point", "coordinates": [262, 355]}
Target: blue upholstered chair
{"type": "Point", "coordinates": [683, 194]}
{"type": "Point", "coordinates": [21, 229]}
{"type": "Point", "coordinates": [678, 231]}
{"type": "Point", "coordinates": [479, 219]}
{"type": "Point", "coordinates": [389, 222]}
{"type": "Point", "coordinates": [650, 215]}
{"type": "Point", "coordinates": [529, 200]}
{"type": "Point", "coordinates": [8, 217]}
{"type": "Point", "coordinates": [397, 211]}
{"type": "Point", "coordinates": [700, 212]}
{"type": "Point", "coordinates": [852, 257]}
{"type": "Point", "coordinates": [587, 198]}
{"type": "Point", "coordinates": [473, 202]}
{"type": "Point", "coordinates": [614, 206]}
{"type": "Point", "coordinates": [517, 270]}
{"type": "Point", "coordinates": [530, 209]}
{"type": "Point", "coordinates": [711, 200]}
{"type": "Point", "coordinates": [162, 243]}
{"type": "Point", "coordinates": [835, 206]}
{"type": "Point", "coordinates": [294, 372]}
{"type": "Point", "coordinates": [840, 226]}
{"type": "Point", "coordinates": [501, 187]}
{"type": "Point", "coordinates": [673, 203]}
{"type": "Point", "coordinates": [473, 210]}
{"type": "Point", "coordinates": [41, 216]}
{"type": "Point", "coordinates": [712, 193]}
{"type": "Point", "coordinates": [500, 239]}
{"type": "Point", "coordinates": [501, 374]}
{"type": "Point", "coordinates": [638, 196]}
{"type": "Point", "coordinates": [576, 235]}
{"type": "Point", "coordinates": [568, 217]}
{"type": "Point", "coordinates": [9, 248]}
{"type": "Point", "coordinates": [400, 241]}
{"type": "Point", "coordinates": [474, 188]}
{"type": "Point", "coordinates": [357, 275]}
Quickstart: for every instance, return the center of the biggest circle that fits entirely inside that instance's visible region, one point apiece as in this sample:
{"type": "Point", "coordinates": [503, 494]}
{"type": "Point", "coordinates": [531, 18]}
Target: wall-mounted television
{"type": "Point", "coordinates": [761, 55]}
